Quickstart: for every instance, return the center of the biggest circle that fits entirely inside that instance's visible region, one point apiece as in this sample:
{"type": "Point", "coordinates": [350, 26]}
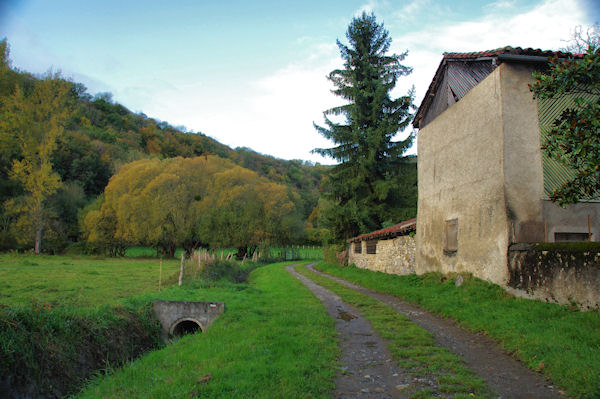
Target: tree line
{"type": "Point", "coordinates": [89, 170]}
{"type": "Point", "coordinates": [190, 203]}
{"type": "Point", "coordinates": [54, 165]}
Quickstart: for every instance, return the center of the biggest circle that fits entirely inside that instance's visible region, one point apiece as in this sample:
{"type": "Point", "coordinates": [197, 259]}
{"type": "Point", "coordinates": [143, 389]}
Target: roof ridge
{"type": "Point", "coordinates": [397, 228]}
{"type": "Point", "coordinates": [509, 50]}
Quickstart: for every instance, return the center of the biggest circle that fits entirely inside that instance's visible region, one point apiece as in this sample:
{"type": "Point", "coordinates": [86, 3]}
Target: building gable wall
{"type": "Point", "coordinates": [523, 172]}
{"type": "Point", "coordinates": [461, 184]}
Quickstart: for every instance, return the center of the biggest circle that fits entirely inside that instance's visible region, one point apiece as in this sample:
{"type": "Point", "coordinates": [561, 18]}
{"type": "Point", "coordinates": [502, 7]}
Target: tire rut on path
{"type": "Point", "coordinates": [367, 368]}
{"type": "Point", "coordinates": [504, 375]}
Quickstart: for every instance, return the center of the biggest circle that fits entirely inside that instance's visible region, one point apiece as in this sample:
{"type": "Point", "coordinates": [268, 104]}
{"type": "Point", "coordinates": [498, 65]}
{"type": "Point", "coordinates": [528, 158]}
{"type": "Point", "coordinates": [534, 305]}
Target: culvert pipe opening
{"type": "Point", "coordinates": [185, 327]}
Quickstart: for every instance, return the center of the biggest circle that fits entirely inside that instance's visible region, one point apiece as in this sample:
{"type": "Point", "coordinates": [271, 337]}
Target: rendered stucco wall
{"type": "Point", "coordinates": [523, 171]}
{"type": "Point", "coordinates": [461, 176]}
{"type": "Point", "coordinates": [393, 256]}
{"type": "Point", "coordinates": [572, 219]}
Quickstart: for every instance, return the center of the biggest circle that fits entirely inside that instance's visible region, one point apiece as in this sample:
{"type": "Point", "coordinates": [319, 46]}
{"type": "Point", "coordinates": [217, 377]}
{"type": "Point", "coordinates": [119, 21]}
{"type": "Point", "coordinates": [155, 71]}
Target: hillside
{"type": "Point", "coordinates": [99, 137]}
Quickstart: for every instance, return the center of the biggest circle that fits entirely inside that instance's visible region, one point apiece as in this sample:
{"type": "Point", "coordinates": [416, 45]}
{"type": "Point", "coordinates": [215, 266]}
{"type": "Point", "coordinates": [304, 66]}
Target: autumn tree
{"type": "Point", "coordinates": [151, 202]}
{"type": "Point", "coordinates": [35, 120]}
{"type": "Point", "coordinates": [245, 210]}
{"type": "Point", "coordinates": [573, 139]}
{"type": "Point", "coordinates": [363, 189]}
{"type": "Point", "coordinates": [188, 202]}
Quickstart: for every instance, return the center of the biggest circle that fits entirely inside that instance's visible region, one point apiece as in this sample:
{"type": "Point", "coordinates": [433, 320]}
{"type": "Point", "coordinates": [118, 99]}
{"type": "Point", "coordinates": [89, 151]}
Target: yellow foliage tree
{"type": "Point", "coordinates": [245, 210]}
{"type": "Point", "coordinates": [190, 202]}
{"type": "Point", "coordinates": [35, 120]}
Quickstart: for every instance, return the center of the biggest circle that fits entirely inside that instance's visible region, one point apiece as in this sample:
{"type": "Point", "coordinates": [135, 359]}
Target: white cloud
{"type": "Point", "coordinates": [501, 5]}
{"type": "Point", "coordinates": [277, 114]}
{"type": "Point", "coordinates": [542, 27]}
{"type": "Point", "coordinates": [274, 114]}
{"type": "Point", "coordinates": [407, 11]}
{"type": "Point", "coordinates": [371, 6]}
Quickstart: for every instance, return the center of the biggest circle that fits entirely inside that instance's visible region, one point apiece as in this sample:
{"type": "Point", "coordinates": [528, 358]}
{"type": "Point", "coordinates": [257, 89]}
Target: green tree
{"type": "Point", "coordinates": [245, 210]}
{"type": "Point", "coordinates": [188, 202]}
{"type": "Point", "coordinates": [35, 120]}
{"type": "Point", "coordinates": [574, 136]}
{"type": "Point", "coordinates": [364, 187]}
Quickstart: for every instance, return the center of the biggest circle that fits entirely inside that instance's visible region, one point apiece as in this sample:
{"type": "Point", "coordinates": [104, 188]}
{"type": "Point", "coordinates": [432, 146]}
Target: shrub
{"type": "Point", "coordinates": [229, 270]}
{"type": "Point", "coordinates": [336, 254]}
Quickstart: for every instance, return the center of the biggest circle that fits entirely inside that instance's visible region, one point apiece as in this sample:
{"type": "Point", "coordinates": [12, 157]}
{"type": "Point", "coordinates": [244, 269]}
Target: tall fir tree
{"type": "Point", "coordinates": [365, 189]}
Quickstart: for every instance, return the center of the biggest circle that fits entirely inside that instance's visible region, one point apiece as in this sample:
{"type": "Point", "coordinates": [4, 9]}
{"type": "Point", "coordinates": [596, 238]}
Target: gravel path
{"type": "Point", "coordinates": [504, 375]}
{"type": "Point", "coordinates": [367, 369]}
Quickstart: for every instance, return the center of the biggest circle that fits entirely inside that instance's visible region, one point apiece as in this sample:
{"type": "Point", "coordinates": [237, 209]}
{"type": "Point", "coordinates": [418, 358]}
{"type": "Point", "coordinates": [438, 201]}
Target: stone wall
{"type": "Point", "coordinates": [393, 256]}
{"type": "Point", "coordinates": [559, 276]}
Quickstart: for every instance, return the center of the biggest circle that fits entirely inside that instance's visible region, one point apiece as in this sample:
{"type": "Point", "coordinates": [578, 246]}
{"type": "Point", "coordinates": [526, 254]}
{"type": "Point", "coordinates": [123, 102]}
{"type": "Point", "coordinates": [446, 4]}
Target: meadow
{"type": "Point", "coordinates": [273, 341]}
{"type": "Point", "coordinates": [57, 311]}
{"type": "Point", "coordinates": [295, 252]}
{"type": "Point", "coordinates": [80, 281]}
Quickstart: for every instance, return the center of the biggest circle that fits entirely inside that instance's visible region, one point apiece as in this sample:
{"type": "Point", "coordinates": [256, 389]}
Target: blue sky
{"type": "Point", "coordinates": [252, 73]}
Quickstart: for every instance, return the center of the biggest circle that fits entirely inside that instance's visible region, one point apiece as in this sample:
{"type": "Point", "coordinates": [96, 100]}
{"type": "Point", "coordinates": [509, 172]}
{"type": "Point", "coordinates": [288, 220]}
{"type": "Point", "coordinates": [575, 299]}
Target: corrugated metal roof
{"type": "Point", "coordinates": [389, 232]}
{"type": "Point", "coordinates": [464, 71]}
{"type": "Point", "coordinates": [556, 174]}
{"type": "Point", "coordinates": [463, 76]}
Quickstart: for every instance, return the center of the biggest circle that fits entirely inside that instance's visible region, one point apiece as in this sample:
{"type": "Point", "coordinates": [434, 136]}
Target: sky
{"type": "Point", "coordinates": [253, 73]}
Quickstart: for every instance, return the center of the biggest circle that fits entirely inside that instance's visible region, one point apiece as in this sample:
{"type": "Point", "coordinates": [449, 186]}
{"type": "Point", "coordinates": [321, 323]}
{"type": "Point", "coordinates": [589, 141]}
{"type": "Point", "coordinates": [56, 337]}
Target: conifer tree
{"type": "Point", "coordinates": [365, 188]}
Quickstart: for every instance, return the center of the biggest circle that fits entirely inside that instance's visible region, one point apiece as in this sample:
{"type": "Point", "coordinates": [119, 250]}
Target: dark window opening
{"type": "Point", "coordinates": [372, 247]}
{"type": "Point", "coordinates": [358, 247]}
{"type": "Point", "coordinates": [571, 237]}
{"type": "Point", "coordinates": [186, 327]}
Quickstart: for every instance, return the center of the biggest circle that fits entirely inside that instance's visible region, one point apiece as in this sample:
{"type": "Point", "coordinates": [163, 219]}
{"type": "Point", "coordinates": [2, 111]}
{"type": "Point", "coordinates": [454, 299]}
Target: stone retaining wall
{"type": "Point", "coordinates": [559, 276]}
{"type": "Point", "coordinates": [393, 256]}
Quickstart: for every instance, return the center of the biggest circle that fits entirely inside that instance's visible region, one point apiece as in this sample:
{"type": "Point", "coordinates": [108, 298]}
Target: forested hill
{"type": "Point", "coordinates": [100, 136]}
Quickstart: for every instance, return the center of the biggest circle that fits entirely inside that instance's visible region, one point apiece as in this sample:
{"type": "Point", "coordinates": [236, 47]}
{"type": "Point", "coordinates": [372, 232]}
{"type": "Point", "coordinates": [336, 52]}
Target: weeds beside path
{"type": "Point", "coordinates": [507, 377]}
{"type": "Point", "coordinates": [560, 342]}
{"type": "Point", "coordinates": [426, 369]}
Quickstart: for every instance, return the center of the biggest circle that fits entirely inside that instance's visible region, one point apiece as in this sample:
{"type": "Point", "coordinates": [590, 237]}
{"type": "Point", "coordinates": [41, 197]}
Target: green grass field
{"type": "Point", "coordinates": [78, 280]}
{"type": "Point", "coordinates": [274, 340]}
{"type": "Point", "coordinates": [296, 252]}
{"type": "Point", "coordinates": [558, 341]}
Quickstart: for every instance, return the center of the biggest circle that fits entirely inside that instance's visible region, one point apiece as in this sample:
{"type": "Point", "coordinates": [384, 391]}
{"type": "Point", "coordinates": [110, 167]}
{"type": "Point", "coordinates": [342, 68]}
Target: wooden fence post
{"type": "Point", "coordinates": [159, 274]}
{"type": "Point", "coordinates": [182, 268]}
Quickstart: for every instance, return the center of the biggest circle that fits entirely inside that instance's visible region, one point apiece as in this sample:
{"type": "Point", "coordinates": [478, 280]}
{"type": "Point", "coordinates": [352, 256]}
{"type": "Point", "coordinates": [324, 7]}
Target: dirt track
{"type": "Point", "coordinates": [368, 370]}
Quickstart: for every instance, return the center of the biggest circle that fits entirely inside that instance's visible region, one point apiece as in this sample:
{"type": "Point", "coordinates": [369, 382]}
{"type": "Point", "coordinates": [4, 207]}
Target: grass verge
{"type": "Point", "coordinates": [413, 346]}
{"type": "Point", "coordinates": [558, 341]}
{"type": "Point", "coordinates": [81, 281]}
{"type": "Point", "coordinates": [49, 352]}
{"type": "Point", "coordinates": [274, 341]}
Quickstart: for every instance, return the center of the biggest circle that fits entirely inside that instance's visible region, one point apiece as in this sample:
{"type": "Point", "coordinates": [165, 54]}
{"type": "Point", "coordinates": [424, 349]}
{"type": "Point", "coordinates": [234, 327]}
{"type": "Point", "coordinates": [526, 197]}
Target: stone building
{"type": "Point", "coordinates": [484, 182]}
{"type": "Point", "coordinates": [390, 250]}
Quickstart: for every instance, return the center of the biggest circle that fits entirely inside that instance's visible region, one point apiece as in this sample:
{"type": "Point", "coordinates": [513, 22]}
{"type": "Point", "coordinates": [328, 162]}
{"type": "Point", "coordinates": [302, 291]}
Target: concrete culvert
{"type": "Point", "coordinates": [185, 317]}
{"type": "Point", "coordinates": [184, 327]}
